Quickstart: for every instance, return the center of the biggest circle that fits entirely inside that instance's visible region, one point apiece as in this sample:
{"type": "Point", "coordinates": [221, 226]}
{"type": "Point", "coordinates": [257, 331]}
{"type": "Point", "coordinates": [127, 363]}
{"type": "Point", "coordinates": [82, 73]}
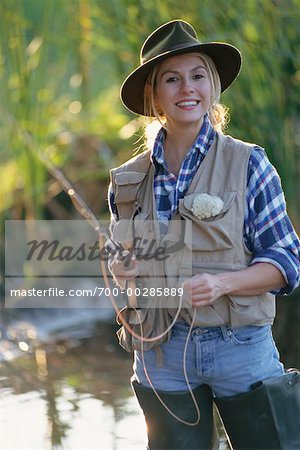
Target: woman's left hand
{"type": "Point", "coordinates": [203, 289]}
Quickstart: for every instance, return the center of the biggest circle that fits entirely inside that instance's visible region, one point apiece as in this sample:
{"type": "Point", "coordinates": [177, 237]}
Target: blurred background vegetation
{"type": "Point", "coordinates": [62, 63]}
{"type": "Point", "coordinates": [61, 66]}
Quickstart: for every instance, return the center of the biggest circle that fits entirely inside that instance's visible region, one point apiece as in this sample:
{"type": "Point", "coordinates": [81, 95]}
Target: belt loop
{"type": "Point", "coordinates": [226, 332]}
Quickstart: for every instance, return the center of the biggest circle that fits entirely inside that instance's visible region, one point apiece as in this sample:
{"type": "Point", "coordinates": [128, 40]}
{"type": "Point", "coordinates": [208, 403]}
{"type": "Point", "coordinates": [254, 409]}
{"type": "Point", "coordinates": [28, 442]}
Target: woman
{"type": "Point", "coordinates": [222, 200]}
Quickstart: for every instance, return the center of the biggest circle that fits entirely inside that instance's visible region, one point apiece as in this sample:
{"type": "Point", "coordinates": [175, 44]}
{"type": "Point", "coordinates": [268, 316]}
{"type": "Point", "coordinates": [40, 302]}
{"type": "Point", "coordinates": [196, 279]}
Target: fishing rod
{"type": "Point", "coordinates": [78, 202]}
{"type": "Point", "coordinates": [114, 248]}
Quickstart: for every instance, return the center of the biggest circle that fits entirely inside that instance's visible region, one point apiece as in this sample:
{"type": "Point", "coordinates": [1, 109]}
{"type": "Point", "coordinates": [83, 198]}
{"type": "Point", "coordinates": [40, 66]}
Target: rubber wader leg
{"type": "Point", "coordinates": [266, 417]}
{"type": "Point", "coordinates": [167, 433]}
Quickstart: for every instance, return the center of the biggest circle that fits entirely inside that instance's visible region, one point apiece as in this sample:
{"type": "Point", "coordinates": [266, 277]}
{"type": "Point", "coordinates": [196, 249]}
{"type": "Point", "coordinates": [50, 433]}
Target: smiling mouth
{"type": "Point", "coordinates": [188, 103]}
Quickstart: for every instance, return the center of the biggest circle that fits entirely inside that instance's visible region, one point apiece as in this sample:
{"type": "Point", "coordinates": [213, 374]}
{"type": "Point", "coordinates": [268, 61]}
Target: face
{"type": "Point", "coordinates": [183, 90]}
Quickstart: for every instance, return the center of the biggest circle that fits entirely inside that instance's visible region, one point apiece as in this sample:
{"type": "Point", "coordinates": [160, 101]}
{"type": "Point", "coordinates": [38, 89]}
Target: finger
{"type": "Point", "coordinates": [125, 256]}
{"type": "Point", "coordinates": [119, 270]}
{"type": "Point", "coordinates": [202, 286]}
{"type": "Point", "coordinates": [126, 274]}
{"type": "Point", "coordinates": [196, 281]}
{"type": "Point", "coordinates": [203, 296]}
{"type": "Point", "coordinates": [201, 302]}
{"type": "Point", "coordinates": [199, 283]}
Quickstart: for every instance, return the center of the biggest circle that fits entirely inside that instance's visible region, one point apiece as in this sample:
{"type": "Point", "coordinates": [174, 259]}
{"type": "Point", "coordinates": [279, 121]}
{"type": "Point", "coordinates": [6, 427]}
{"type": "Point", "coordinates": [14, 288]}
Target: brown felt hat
{"type": "Point", "coordinates": [175, 38]}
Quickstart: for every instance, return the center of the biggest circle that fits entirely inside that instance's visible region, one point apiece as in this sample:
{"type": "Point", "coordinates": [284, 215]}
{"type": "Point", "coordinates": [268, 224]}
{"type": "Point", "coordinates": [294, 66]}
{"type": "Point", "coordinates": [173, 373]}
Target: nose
{"type": "Point", "coordinates": [187, 86]}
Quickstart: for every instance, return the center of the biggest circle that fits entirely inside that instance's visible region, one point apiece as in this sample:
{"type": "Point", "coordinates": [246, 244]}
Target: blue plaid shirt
{"type": "Point", "coordinates": [268, 232]}
{"type": "Point", "coordinates": [168, 188]}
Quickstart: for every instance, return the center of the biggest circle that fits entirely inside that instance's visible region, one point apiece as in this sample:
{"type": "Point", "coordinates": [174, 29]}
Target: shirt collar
{"type": "Point", "coordinates": [201, 144]}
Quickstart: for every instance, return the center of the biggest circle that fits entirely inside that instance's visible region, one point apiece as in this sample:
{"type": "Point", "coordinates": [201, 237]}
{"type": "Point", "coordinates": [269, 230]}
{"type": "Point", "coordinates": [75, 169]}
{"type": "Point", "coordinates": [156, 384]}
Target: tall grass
{"type": "Point", "coordinates": [62, 62]}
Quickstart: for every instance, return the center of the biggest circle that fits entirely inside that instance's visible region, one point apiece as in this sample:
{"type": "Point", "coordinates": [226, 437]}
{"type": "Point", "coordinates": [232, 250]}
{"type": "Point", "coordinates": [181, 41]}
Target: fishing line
{"type": "Point", "coordinates": [120, 318]}
{"type": "Point", "coordinates": [185, 422]}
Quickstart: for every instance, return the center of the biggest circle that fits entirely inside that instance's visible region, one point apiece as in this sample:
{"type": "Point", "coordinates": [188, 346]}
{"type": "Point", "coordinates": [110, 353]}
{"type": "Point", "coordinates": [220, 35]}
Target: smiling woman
{"type": "Point", "coordinates": [222, 199]}
{"type": "Point", "coordinates": [183, 91]}
{"type": "Point", "coordinates": [183, 94]}
{"type": "Point", "coordinates": [201, 74]}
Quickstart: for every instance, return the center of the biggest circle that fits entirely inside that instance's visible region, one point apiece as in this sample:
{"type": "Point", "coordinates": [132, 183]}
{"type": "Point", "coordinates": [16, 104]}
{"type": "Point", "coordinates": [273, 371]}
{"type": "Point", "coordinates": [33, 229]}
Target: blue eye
{"type": "Point", "coordinates": [171, 80]}
{"type": "Point", "coordinates": [198, 76]}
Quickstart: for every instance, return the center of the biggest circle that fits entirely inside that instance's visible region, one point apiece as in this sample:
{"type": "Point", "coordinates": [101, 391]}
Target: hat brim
{"type": "Point", "coordinates": [226, 57]}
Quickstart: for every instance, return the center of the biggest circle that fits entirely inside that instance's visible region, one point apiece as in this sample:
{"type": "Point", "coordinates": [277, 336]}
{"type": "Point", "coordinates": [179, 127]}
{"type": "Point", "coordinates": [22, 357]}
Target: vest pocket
{"type": "Point", "coordinates": [127, 186]}
{"type": "Point", "coordinates": [213, 233]}
{"type": "Point", "coordinates": [251, 310]}
{"type": "Point", "coordinates": [153, 322]}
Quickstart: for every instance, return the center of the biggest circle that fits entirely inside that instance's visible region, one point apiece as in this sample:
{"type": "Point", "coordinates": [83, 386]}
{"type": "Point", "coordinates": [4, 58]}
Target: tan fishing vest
{"type": "Point", "coordinates": [211, 245]}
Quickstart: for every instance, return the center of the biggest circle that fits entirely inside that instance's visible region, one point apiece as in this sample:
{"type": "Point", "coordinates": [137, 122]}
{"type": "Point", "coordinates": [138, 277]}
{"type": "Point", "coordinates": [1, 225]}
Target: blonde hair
{"type": "Point", "coordinates": [217, 113]}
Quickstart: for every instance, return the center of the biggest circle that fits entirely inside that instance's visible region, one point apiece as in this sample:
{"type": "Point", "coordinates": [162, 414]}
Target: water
{"type": "Point", "coordinates": [65, 385]}
{"type": "Point", "coordinates": [70, 394]}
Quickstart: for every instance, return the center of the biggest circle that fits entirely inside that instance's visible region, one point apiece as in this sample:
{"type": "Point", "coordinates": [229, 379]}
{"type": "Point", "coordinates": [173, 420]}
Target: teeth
{"type": "Point", "coordinates": [188, 103]}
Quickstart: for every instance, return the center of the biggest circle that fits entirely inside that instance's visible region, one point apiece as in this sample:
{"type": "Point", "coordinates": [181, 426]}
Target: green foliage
{"type": "Point", "coordinates": [62, 63]}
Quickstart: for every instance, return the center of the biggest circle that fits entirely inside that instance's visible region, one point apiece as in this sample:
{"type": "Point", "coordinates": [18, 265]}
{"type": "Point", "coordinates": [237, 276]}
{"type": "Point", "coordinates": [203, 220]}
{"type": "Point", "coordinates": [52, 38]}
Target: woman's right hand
{"type": "Point", "coordinates": [124, 268]}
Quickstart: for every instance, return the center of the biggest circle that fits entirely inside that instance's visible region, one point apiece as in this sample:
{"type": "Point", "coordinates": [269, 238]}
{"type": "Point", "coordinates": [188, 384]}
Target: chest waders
{"type": "Point", "coordinates": [266, 417]}
{"type": "Point", "coordinates": [167, 433]}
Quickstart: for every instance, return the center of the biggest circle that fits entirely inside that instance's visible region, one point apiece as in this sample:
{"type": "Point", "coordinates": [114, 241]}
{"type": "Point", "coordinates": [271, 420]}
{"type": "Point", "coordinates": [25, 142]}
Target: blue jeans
{"type": "Point", "coordinates": [228, 360]}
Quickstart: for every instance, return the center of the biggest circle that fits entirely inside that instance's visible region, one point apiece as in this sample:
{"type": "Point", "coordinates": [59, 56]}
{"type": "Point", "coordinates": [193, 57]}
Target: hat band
{"type": "Point", "coordinates": [169, 49]}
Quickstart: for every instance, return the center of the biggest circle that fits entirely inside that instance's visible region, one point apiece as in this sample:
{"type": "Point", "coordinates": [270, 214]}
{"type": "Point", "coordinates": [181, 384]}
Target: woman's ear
{"type": "Point", "coordinates": [157, 104]}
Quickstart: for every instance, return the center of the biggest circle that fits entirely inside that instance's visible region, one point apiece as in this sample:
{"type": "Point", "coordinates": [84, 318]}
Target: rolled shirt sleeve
{"type": "Point", "coordinates": [268, 231]}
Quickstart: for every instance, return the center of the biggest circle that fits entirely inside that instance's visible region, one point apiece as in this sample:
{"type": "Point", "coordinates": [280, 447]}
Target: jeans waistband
{"type": "Point", "coordinates": [211, 332]}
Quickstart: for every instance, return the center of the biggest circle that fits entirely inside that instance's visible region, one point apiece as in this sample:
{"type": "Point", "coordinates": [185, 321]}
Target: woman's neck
{"type": "Point", "coordinates": [177, 143]}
